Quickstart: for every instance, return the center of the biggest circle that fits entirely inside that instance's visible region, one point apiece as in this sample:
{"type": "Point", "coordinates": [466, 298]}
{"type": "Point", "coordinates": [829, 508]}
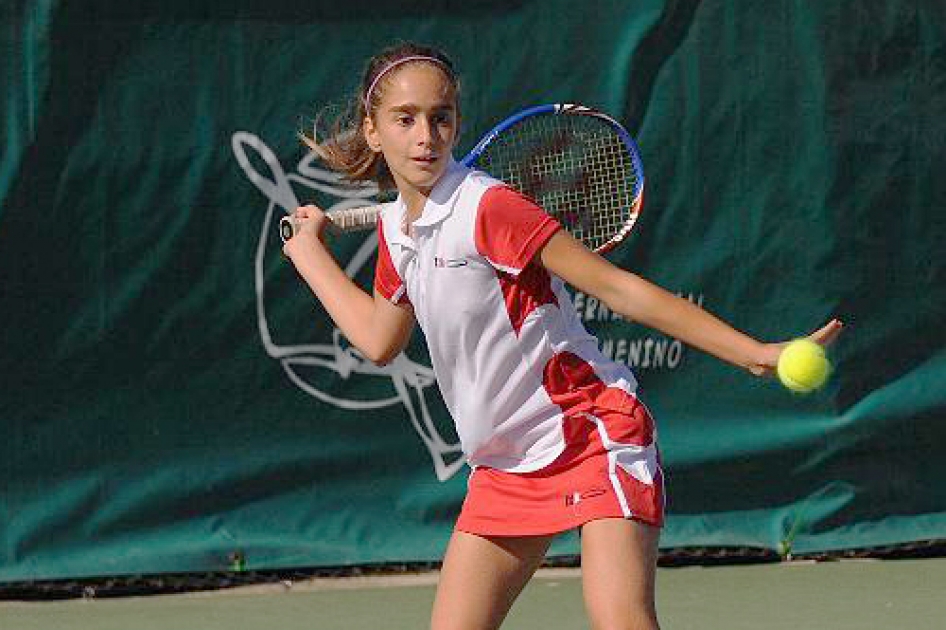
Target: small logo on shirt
{"type": "Point", "coordinates": [449, 262]}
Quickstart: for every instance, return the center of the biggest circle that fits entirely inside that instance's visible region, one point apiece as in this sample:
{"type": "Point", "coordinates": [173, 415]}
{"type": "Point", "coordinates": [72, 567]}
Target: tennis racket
{"type": "Point", "coordinates": [580, 165]}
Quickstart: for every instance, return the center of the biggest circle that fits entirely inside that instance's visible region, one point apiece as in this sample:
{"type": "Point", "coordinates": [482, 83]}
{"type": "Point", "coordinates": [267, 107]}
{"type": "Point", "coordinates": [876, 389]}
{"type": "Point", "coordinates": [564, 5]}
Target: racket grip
{"type": "Point", "coordinates": [348, 220]}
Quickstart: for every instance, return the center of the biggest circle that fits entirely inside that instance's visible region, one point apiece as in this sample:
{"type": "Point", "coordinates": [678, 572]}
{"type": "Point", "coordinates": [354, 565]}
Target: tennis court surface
{"type": "Point", "coordinates": [838, 595]}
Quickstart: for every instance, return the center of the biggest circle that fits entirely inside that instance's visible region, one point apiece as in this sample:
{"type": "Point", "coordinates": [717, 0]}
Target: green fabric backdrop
{"type": "Point", "coordinates": [170, 393]}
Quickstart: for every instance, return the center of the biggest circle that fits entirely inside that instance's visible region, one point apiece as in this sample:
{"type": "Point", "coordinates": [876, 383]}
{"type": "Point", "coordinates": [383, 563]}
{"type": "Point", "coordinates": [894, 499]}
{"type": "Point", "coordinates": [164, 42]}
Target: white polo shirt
{"type": "Point", "coordinates": [511, 356]}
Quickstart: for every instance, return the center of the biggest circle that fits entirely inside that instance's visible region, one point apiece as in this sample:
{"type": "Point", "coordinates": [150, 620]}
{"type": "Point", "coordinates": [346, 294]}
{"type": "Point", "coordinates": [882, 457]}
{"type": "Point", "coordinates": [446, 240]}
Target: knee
{"type": "Point", "coordinates": [640, 619]}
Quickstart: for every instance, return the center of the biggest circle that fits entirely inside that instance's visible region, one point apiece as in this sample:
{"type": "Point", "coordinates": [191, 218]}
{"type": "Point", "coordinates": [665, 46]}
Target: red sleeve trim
{"type": "Point", "coordinates": [511, 228]}
{"type": "Point", "coordinates": [387, 282]}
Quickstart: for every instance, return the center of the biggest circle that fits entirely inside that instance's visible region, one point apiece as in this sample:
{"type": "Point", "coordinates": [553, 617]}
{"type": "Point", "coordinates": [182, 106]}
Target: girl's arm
{"type": "Point", "coordinates": [378, 328]}
{"type": "Point", "coordinates": [646, 303]}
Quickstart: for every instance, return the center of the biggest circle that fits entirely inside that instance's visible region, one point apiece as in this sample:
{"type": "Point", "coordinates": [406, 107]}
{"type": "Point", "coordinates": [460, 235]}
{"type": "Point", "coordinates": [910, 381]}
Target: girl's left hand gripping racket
{"type": "Point", "coordinates": [580, 165]}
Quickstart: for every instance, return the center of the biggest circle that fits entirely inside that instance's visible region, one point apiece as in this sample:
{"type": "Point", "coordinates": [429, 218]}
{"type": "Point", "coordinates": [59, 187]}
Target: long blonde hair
{"type": "Point", "coordinates": [344, 148]}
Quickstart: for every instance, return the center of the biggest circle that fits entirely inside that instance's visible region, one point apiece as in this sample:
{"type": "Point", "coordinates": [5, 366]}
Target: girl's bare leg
{"type": "Point", "coordinates": [481, 578]}
{"type": "Point", "coordinates": [619, 565]}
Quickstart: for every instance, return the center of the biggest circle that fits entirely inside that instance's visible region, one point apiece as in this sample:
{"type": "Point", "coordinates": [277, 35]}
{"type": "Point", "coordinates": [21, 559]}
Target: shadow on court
{"type": "Point", "coordinates": [856, 594]}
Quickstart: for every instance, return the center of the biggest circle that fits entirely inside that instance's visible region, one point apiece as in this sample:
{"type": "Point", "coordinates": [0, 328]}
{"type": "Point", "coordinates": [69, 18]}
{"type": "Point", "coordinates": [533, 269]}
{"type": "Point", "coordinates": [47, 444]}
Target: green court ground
{"type": "Point", "coordinates": [837, 595]}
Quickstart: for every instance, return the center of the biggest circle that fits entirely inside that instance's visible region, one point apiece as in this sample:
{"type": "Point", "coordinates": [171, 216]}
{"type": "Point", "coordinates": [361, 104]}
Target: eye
{"type": "Point", "coordinates": [404, 120]}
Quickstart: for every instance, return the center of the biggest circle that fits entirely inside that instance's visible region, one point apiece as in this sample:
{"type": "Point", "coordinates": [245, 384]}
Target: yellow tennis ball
{"type": "Point", "coordinates": [803, 366]}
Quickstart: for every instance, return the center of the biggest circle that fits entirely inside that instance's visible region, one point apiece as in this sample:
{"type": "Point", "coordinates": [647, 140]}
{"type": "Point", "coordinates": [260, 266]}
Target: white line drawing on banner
{"type": "Point", "coordinates": [409, 379]}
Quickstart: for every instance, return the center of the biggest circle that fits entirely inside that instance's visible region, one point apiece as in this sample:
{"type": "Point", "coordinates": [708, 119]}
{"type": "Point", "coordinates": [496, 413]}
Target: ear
{"type": "Point", "coordinates": [371, 135]}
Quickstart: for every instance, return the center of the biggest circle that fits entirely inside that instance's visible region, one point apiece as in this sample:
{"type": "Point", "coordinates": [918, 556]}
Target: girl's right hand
{"type": "Point", "coordinates": [310, 222]}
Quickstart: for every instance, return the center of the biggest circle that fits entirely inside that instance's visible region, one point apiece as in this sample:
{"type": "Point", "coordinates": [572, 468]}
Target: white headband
{"type": "Point", "coordinates": [395, 64]}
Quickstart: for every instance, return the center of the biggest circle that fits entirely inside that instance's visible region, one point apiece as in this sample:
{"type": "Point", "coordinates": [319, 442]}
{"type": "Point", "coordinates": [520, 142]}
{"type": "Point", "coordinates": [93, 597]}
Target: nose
{"type": "Point", "coordinates": [427, 132]}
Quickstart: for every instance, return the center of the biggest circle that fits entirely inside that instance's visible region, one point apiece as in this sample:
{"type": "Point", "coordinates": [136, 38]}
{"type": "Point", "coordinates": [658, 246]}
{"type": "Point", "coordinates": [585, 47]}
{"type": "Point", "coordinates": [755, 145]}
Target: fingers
{"type": "Point", "coordinates": [307, 212]}
{"type": "Point", "coordinates": [309, 220]}
{"type": "Point", "coordinates": [304, 217]}
{"type": "Point", "coordinates": [827, 334]}
{"type": "Point", "coordinates": [767, 358]}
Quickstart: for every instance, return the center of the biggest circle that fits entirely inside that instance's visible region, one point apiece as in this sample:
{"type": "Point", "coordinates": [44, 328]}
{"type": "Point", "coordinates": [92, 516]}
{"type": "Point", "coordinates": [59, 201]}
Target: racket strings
{"type": "Point", "coordinates": [577, 168]}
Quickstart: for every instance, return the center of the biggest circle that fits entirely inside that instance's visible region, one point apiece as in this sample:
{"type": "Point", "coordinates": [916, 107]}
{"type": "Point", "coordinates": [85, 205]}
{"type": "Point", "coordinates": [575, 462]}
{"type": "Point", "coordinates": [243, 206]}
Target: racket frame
{"type": "Point", "coordinates": [362, 218]}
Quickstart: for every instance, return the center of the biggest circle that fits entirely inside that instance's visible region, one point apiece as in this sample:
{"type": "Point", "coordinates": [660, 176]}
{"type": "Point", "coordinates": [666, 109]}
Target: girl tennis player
{"type": "Point", "coordinates": [553, 430]}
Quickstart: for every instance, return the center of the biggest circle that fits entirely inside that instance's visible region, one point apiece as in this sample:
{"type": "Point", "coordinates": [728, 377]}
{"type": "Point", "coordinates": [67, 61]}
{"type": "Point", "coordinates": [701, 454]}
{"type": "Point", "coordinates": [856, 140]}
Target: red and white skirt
{"type": "Point", "coordinates": [606, 471]}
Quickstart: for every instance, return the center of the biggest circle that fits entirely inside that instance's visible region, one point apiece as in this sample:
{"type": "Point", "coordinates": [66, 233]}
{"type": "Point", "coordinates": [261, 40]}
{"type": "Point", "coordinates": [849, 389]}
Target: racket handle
{"type": "Point", "coordinates": [347, 220]}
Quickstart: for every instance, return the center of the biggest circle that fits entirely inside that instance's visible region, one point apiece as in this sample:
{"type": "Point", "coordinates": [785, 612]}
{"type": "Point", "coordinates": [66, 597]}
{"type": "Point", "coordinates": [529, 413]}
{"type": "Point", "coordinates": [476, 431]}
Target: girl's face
{"type": "Point", "coordinates": [415, 126]}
